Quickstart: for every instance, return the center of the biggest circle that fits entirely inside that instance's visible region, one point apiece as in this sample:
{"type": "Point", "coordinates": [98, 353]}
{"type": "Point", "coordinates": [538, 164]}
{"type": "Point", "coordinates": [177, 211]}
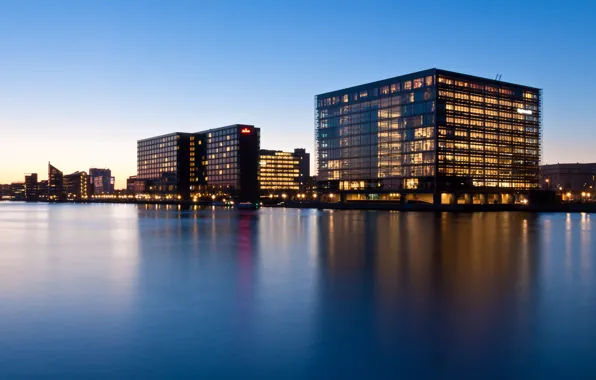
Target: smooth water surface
{"type": "Point", "coordinates": [124, 291]}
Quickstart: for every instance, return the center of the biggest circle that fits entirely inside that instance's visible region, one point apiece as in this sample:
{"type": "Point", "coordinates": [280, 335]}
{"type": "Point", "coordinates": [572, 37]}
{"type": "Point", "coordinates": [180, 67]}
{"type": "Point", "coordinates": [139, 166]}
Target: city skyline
{"type": "Point", "coordinates": [89, 80]}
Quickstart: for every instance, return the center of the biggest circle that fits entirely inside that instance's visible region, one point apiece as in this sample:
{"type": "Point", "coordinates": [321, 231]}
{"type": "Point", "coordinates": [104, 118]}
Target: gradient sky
{"type": "Point", "coordinates": [81, 81]}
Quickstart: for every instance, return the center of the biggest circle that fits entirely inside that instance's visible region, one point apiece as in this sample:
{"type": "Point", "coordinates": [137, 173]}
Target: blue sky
{"type": "Point", "coordinates": [81, 81]}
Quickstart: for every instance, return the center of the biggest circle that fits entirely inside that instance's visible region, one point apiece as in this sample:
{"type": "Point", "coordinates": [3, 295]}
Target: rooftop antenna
{"type": "Point", "coordinates": [498, 77]}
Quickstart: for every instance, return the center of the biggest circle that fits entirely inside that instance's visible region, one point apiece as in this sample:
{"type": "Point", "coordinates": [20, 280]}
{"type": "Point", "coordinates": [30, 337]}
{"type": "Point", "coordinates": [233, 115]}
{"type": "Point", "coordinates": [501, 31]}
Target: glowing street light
{"type": "Point", "coordinates": [284, 195]}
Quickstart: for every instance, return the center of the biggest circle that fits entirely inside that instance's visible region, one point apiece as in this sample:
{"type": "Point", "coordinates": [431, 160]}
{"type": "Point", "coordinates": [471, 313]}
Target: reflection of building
{"type": "Point", "coordinates": [217, 161]}
{"type": "Point", "coordinates": [572, 180]}
{"type": "Point", "coordinates": [31, 188]}
{"type": "Point", "coordinates": [75, 186]}
{"type": "Point", "coordinates": [283, 171]}
{"type": "Point", "coordinates": [101, 181]}
{"type": "Point", "coordinates": [433, 135]}
{"type": "Point", "coordinates": [55, 184]}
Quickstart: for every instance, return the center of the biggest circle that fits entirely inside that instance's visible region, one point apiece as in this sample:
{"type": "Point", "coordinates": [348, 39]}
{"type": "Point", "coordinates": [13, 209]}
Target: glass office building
{"type": "Point", "coordinates": [434, 135]}
{"type": "Point", "coordinates": [224, 161]}
{"type": "Point", "coordinates": [221, 162]}
{"type": "Point", "coordinates": [163, 165]}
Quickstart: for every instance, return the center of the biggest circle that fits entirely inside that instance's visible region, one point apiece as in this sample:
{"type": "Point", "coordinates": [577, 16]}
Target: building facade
{"type": "Point", "coordinates": [101, 181]}
{"type": "Point", "coordinates": [220, 162]}
{"type": "Point", "coordinates": [17, 191]}
{"type": "Point", "coordinates": [55, 184]}
{"type": "Point", "coordinates": [75, 186]}
{"type": "Point", "coordinates": [5, 191]}
{"type": "Point", "coordinates": [31, 188]}
{"type": "Point", "coordinates": [435, 136]}
{"type": "Point", "coordinates": [163, 165]}
{"type": "Point", "coordinates": [573, 181]}
{"type": "Point", "coordinates": [283, 172]}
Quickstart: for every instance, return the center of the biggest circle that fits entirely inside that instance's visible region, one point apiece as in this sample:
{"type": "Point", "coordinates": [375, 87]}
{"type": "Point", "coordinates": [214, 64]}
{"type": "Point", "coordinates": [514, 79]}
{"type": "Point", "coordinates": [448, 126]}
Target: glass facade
{"type": "Point", "coordinates": [222, 164]}
{"type": "Point", "coordinates": [220, 161]}
{"type": "Point", "coordinates": [488, 133]}
{"type": "Point", "coordinates": [377, 135]}
{"type": "Point", "coordinates": [161, 162]}
{"type": "Point", "coordinates": [430, 131]}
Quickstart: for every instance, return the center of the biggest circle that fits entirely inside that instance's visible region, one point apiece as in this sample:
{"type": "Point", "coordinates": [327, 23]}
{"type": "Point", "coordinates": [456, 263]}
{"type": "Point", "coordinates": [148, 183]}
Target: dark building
{"type": "Point", "coordinates": [573, 181]}
{"type": "Point", "coordinates": [221, 161]}
{"type": "Point", "coordinates": [303, 167]}
{"type": "Point", "coordinates": [55, 184]}
{"type": "Point", "coordinates": [5, 192]}
{"type": "Point", "coordinates": [17, 191]}
{"type": "Point", "coordinates": [163, 162]}
{"type": "Point", "coordinates": [232, 161]}
{"type": "Point", "coordinates": [31, 188]}
{"type": "Point", "coordinates": [75, 186]}
{"type": "Point", "coordinates": [101, 181]}
{"type": "Point", "coordinates": [42, 190]}
{"type": "Point", "coordinates": [434, 136]}
{"type": "Point", "coordinates": [283, 172]}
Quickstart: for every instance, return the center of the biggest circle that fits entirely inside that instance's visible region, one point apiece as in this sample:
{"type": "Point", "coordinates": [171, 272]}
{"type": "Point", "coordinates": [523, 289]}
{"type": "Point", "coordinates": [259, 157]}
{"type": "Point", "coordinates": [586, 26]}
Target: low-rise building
{"type": "Point", "coordinates": [574, 181]}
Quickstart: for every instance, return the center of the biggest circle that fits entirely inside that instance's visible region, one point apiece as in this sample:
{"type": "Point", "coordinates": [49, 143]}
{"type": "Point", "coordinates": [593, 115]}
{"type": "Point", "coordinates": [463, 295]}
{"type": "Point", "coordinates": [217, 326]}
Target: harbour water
{"type": "Point", "coordinates": [127, 291]}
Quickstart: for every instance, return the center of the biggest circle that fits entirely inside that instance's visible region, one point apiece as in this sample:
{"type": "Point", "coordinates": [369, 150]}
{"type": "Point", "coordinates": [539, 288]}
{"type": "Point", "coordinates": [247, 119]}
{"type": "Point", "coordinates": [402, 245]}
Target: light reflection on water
{"type": "Point", "coordinates": [123, 291]}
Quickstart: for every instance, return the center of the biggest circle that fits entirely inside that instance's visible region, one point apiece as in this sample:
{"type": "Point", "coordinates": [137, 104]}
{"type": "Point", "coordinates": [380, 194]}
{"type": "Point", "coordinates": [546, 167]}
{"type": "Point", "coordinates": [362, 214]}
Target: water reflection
{"type": "Point", "coordinates": [156, 291]}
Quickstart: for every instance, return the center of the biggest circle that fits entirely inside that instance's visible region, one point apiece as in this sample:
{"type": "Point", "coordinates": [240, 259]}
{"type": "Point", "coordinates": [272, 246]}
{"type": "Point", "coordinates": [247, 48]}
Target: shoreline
{"type": "Point", "coordinates": [365, 206]}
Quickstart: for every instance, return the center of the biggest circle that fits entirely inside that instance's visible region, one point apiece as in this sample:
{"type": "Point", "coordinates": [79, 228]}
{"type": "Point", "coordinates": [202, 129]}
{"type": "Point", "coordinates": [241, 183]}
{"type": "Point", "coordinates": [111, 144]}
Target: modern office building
{"type": "Point", "coordinates": [31, 188]}
{"type": "Point", "coordinates": [55, 184]}
{"type": "Point", "coordinates": [163, 164]}
{"type": "Point", "coordinates": [283, 172]}
{"type": "Point", "coordinates": [75, 186]}
{"type": "Point", "coordinates": [101, 181]}
{"type": "Point", "coordinates": [573, 181]}
{"type": "Point", "coordinates": [434, 136]}
{"type": "Point", "coordinates": [221, 162]}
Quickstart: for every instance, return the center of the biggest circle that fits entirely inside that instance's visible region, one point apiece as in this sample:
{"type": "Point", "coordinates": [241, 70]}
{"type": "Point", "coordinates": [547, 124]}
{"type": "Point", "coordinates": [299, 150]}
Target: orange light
{"type": "Point", "coordinates": [245, 131]}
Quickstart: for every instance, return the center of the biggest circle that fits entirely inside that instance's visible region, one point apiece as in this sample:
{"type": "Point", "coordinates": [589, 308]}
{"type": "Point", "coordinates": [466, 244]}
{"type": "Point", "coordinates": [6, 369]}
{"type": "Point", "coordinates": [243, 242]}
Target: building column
{"type": "Point", "coordinates": [483, 199]}
{"type": "Point", "coordinates": [468, 199]}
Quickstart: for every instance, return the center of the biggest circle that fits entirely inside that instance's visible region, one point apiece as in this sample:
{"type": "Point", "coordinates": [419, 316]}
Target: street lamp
{"type": "Point", "coordinates": [284, 195]}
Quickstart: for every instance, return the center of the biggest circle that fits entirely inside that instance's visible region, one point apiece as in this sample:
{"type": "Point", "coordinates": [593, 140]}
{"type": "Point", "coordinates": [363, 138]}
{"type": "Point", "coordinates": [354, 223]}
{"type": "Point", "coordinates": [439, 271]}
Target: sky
{"type": "Point", "coordinates": [82, 81]}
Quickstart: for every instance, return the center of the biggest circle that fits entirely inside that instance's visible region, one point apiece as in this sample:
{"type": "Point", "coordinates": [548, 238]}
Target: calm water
{"type": "Point", "coordinates": [120, 291]}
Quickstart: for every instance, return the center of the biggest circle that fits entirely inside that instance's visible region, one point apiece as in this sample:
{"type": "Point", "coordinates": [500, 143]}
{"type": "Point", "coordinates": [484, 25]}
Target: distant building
{"type": "Point", "coordinates": [574, 181]}
{"type": "Point", "coordinates": [283, 172]}
{"type": "Point", "coordinates": [5, 192]}
{"type": "Point", "coordinates": [17, 191]}
{"type": "Point", "coordinates": [55, 184]}
{"type": "Point", "coordinates": [433, 136]}
{"type": "Point", "coordinates": [75, 186]}
{"type": "Point", "coordinates": [31, 188]}
{"type": "Point", "coordinates": [42, 190]}
{"type": "Point", "coordinates": [101, 181]}
{"type": "Point", "coordinates": [219, 162]}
